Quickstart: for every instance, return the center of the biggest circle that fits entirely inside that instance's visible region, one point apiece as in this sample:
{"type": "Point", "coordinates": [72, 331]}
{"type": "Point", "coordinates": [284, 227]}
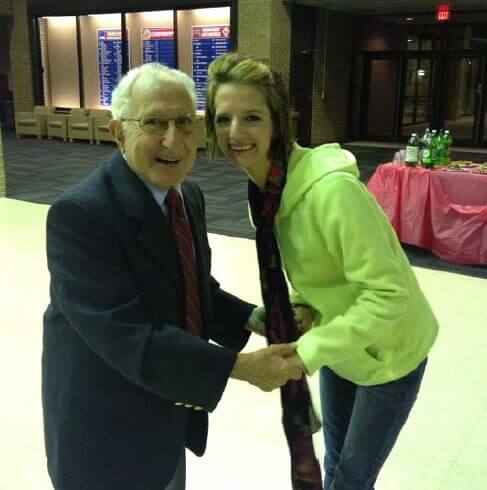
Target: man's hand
{"type": "Point", "coordinates": [268, 368]}
{"type": "Point", "coordinates": [295, 360]}
{"type": "Point", "coordinates": [303, 315]}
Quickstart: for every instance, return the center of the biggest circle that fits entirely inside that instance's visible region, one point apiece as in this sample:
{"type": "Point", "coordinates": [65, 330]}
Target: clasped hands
{"type": "Point", "coordinates": [269, 368]}
{"type": "Point", "coordinates": [274, 366]}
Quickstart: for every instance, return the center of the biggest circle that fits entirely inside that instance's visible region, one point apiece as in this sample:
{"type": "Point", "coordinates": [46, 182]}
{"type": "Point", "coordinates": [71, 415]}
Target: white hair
{"type": "Point", "coordinates": [149, 77]}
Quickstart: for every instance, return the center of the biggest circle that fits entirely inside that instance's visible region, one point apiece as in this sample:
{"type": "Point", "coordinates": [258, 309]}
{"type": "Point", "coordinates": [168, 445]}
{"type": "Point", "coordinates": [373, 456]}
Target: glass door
{"type": "Point", "coordinates": [420, 80]}
{"type": "Point", "coordinates": [482, 91]}
{"type": "Point", "coordinates": [401, 95]}
{"type": "Point", "coordinates": [461, 97]}
{"type": "Point", "coordinates": [407, 93]}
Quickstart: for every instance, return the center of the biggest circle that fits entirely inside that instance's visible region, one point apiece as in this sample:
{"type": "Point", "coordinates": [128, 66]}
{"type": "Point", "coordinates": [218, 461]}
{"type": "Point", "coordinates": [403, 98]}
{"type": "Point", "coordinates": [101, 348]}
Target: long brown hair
{"type": "Point", "coordinates": [240, 69]}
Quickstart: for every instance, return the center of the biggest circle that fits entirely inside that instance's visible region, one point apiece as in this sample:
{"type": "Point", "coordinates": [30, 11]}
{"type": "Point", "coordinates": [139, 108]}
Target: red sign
{"type": "Point", "coordinates": [211, 32]}
{"type": "Point", "coordinates": [443, 13]}
{"type": "Point", "coordinates": [157, 33]}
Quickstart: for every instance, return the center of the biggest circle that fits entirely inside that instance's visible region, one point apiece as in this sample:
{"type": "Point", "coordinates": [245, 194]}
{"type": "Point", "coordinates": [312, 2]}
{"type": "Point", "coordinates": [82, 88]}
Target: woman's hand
{"type": "Point", "coordinates": [304, 316]}
{"type": "Point", "coordinates": [256, 321]}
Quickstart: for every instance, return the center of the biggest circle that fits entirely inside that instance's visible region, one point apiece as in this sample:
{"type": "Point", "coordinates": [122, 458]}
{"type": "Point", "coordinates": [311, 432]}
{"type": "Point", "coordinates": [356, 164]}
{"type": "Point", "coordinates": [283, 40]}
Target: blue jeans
{"type": "Point", "coordinates": [361, 425]}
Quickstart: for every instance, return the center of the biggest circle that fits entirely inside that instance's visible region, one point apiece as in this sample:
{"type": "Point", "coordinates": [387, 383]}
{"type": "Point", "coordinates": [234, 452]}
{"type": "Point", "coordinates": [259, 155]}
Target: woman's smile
{"type": "Point", "coordinates": [244, 127]}
{"type": "Point", "coordinates": [240, 147]}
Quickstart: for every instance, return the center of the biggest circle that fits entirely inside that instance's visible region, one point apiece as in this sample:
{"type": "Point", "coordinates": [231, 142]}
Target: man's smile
{"type": "Point", "coordinates": [168, 161]}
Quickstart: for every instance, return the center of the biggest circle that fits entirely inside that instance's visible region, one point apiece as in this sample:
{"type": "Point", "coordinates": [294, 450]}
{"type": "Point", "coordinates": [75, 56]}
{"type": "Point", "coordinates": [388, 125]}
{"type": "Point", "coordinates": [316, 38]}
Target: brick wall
{"type": "Point", "coordinates": [21, 58]}
{"type": "Point", "coordinates": [254, 19]}
{"type": "Point", "coordinates": [334, 49]}
{"type": "Point", "coordinates": [6, 7]}
{"type": "Point", "coordinates": [280, 49]}
{"type": "Point", "coordinates": [264, 31]}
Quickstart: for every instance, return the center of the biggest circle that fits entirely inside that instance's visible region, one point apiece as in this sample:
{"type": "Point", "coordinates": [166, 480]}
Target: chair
{"type": "Point", "coordinates": [100, 119]}
{"type": "Point", "coordinates": [57, 125]}
{"type": "Point", "coordinates": [33, 123]}
{"type": "Point", "coordinates": [80, 125]}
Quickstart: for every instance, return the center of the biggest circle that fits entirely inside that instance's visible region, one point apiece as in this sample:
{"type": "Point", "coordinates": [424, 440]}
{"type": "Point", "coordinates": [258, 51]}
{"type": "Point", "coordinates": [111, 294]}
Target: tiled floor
{"type": "Point", "coordinates": [441, 448]}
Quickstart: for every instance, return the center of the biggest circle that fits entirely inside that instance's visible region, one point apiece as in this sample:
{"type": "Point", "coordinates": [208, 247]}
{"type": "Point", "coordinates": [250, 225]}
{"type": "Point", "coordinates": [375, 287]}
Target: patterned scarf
{"type": "Point", "coordinates": [299, 419]}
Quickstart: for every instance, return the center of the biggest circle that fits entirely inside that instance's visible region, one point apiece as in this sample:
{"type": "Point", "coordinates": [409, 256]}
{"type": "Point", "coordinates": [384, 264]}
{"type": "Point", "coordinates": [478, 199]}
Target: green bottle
{"type": "Point", "coordinates": [422, 143]}
{"type": "Point", "coordinates": [429, 150]}
{"type": "Point", "coordinates": [440, 155]}
{"type": "Point", "coordinates": [412, 151]}
{"type": "Point", "coordinates": [434, 148]}
{"type": "Point", "coordinates": [424, 138]}
{"type": "Point", "coordinates": [448, 142]}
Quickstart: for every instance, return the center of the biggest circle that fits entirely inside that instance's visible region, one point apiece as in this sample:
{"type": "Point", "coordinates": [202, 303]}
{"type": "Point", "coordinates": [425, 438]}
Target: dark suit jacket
{"type": "Point", "coordinates": [116, 356]}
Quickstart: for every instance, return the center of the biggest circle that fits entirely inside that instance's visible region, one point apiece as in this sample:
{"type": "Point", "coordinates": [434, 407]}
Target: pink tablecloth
{"type": "Point", "coordinates": [445, 212]}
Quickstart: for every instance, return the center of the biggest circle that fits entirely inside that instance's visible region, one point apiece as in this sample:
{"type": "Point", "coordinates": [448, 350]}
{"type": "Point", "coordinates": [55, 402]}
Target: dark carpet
{"type": "Point", "coordinates": [40, 170]}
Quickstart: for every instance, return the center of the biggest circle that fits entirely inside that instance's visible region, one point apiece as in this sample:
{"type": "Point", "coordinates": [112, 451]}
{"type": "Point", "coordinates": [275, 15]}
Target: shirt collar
{"type": "Point", "coordinates": [158, 193]}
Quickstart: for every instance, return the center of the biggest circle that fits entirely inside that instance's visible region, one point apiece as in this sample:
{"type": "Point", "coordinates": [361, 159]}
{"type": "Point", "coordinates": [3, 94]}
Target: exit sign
{"type": "Point", "coordinates": [443, 13]}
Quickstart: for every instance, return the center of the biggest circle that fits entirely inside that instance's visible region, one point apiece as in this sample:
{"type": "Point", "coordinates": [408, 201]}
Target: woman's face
{"type": "Point", "coordinates": [243, 125]}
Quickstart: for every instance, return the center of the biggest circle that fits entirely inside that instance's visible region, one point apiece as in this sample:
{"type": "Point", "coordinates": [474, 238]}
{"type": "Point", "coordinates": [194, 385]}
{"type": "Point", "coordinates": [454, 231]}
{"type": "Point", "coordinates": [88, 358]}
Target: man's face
{"type": "Point", "coordinates": [163, 159]}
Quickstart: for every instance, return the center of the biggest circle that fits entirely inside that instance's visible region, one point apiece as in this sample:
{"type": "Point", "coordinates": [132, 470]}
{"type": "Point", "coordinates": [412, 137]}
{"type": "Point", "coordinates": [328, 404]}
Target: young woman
{"type": "Point", "coordinates": [372, 327]}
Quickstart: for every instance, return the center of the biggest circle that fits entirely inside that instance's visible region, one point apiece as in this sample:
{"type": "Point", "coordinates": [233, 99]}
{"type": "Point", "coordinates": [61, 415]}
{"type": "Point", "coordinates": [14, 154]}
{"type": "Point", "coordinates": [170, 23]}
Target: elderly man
{"type": "Point", "coordinates": [128, 373]}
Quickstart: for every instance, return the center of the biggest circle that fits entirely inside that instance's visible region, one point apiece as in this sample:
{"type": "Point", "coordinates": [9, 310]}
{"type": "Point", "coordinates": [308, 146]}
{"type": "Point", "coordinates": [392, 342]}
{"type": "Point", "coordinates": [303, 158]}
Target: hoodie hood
{"type": "Point", "coordinates": [308, 165]}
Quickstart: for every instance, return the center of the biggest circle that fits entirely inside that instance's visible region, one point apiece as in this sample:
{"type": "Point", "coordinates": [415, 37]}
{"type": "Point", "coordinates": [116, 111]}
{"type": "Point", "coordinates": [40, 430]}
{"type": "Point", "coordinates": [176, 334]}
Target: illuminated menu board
{"type": "Point", "coordinates": [208, 42]}
{"type": "Point", "coordinates": [109, 62]}
{"type": "Point", "coordinates": [158, 45]}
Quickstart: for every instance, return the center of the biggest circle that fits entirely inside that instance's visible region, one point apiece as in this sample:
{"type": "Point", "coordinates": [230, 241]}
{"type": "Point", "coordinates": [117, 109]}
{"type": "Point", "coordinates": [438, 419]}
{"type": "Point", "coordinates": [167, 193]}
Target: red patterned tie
{"type": "Point", "coordinates": [184, 243]}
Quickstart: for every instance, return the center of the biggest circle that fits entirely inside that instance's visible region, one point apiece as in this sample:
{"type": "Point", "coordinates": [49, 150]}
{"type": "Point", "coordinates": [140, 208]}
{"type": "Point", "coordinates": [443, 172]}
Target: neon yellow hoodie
{"type": "Point", "coordinates": [343, 258]}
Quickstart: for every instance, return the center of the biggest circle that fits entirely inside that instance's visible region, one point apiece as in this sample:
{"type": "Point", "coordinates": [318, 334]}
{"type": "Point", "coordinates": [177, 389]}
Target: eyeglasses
{"type": "Point", "coordinates": [158, 124]}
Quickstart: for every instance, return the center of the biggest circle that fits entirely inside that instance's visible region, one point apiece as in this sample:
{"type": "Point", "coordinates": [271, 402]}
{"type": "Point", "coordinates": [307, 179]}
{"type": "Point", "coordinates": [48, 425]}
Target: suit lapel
{"type": "Point", "coordinates": [154, 233]}
{"type": "Point", "coordinates": [156, 238]}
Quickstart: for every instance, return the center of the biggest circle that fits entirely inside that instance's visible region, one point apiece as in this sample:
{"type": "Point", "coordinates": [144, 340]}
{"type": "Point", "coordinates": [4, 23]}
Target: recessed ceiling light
{"type": "Point", "coordinates": [409, 19]}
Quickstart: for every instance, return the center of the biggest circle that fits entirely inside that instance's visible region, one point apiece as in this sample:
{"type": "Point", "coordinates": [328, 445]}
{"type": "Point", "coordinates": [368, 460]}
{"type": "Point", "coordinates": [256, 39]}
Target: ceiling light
{"type": "Point", "coordinates": [409, 19]}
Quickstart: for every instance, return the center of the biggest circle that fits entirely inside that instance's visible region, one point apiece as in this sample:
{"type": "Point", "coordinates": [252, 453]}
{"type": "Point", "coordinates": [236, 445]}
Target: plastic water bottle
{"type": "Point", "coordinates": [430, 151]}
{"type": "Point", "coordinates": [434, 147]}
{"type": "Point", "coordinates": [422, 143]}
{"type": "Point", "coordinates": [412, 151]}
{"type": "Point", "coordinates": [442, 158]}
{"type": "Point", "coordinates": [447, 142]}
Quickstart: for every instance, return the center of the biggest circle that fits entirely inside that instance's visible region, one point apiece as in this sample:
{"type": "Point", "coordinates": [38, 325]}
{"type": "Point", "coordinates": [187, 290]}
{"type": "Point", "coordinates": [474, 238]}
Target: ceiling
{"type": "Point", "coordinates": [376, 7]}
